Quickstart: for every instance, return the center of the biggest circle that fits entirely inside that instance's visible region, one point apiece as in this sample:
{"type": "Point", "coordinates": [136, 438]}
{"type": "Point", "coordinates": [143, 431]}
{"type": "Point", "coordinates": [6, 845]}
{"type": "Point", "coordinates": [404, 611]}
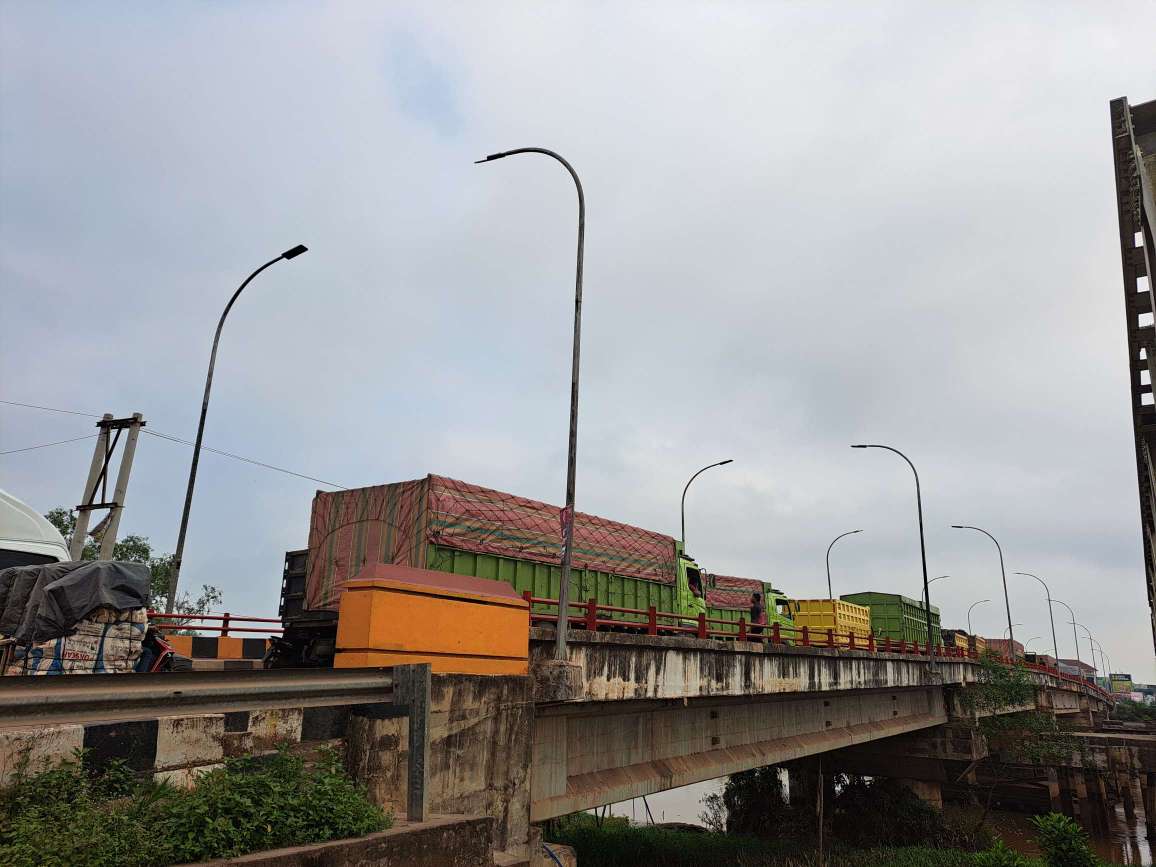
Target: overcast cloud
{"type": "Point", "coordinates": [807, 226]}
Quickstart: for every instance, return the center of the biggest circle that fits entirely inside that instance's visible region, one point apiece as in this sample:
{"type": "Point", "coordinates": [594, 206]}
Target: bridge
{"type": "Point", "coordinates": [625, 715]}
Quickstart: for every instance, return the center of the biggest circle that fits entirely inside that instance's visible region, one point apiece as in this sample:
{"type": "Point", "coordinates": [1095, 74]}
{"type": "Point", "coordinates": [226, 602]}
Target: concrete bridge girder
{"type": "Point", "coordinates": [585, 755]}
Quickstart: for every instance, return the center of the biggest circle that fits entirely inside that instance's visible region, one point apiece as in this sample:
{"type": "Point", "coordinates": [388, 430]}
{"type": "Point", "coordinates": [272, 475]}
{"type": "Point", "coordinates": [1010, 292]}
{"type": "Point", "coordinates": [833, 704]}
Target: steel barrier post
{"type": "Point", "coordinates": [806, 637]}
{"type": "Point", "coordinates": [411, 688]}
{"type": "Point", "coordinates": [742, 629]}
{"type": "Point", "coordinates": [776, 634]}
{"type": "Point", "coordinates": [592, 615]}
{"type": "Point", "coordinates": [702, 626]}
{"type": "Point", "coordinates": [850, 640]}
{"type": "Point", "coordinates": [830, 637]}
{"type": "Point", "coordinates": [225, 625]}
{"type": "Point", "coordinates": [651, 621]}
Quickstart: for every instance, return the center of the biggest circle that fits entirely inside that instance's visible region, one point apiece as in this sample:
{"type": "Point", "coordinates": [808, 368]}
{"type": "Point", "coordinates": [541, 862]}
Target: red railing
{"type": "Point", "coordinates": [650, 621]}
{"type": "Point", "coordinates": [226, 620]}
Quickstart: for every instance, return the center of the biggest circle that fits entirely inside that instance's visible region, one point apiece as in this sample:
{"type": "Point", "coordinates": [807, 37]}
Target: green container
{"type": "Point", "coordinates": [543, 581]}
{"type": "Point", "coordinates": [897, 617]}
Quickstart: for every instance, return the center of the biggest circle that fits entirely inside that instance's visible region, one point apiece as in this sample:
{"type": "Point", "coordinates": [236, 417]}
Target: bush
{"type": "Point", "coordinates": [69, 816]}
{"type": "Point", "coordinates": [1064, 843]}
{"type": "Point", "coordinates": [1000, 855]}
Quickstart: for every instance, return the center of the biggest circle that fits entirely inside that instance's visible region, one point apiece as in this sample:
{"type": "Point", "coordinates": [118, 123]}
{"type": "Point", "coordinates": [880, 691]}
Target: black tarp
{"type": "Point", "coordinates": [73, 596]}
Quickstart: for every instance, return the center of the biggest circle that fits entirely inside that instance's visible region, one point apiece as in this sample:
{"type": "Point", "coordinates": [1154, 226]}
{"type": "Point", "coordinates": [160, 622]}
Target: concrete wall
{"type": "Point", "coordinates": [479, 754]}
{"type": "Point", "coordinates": [448, 841]}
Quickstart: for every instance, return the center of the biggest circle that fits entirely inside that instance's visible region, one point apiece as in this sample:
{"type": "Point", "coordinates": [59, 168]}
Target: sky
{"type": "Point", "coordinates": [808, 225]}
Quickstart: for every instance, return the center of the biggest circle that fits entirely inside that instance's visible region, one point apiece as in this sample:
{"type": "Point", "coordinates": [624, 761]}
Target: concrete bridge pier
{"type": "Point", "coordinates": [1128, 784]}
{"type": "Point", "coordinates": [1148, 794]}
{"type": "Point", "coordinates": [1097, 803]}
{"type": "Point", "coordinates": [928, 791]}
{"type": "Point", "coordinates": [1056, 794]}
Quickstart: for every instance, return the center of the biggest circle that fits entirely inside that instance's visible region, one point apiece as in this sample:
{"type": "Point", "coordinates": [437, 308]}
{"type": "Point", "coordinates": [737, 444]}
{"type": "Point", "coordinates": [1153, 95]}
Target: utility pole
{"type": "Point", "coordinates": [95, 494]}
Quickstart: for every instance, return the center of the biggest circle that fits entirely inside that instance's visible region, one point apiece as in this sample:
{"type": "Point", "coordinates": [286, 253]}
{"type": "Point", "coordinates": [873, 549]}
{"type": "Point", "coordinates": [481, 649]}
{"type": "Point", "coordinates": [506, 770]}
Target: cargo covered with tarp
{"type": "Point", "coordinates": [106, 641]}
{"type": "Point", "coordinates": [76, 616]}
{"type": "Point", "coordinates": [400, 523]}
{"type": "Point", "coordinates": [730, 591]}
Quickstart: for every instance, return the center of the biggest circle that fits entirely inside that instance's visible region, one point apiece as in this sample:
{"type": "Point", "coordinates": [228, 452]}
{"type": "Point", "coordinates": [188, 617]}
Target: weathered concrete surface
{"type": "Point", "coordinates": [442, 841]}
{"type": "Point", "coordinates": [479, 756]}
{"type": "Point", "coordinates": [617, 666]}
{"type": "Point", "coordinates": [586, 754]}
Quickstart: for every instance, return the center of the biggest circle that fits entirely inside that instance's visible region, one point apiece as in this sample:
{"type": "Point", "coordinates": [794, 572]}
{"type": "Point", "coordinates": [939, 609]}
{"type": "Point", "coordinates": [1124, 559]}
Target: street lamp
{"type": "Point", "coordinates": [178, 555]}
{"type": "Point", "coordinates": [937, 578]}
{"type": "Point", "coordinates": [1095, 670]}
{"type": "Point", "coordinates": [1055, 644]}
{"type": "Point", "coordinates": [1075, 636]}
{"type": "Point", "coordinates": [572, 445]}
{"type": "Point", "coordinates": [687, 487]}
{"type": "Point", "coordinates": [922, 544]}
{"type": "Point", "coordinates": [1003, 574]}
{"type": "Point", "coordinates": [1105, 659]}
{"type": "Point", "coordinates": [1030, 640]}
{"type": "Point", "coordinates": [973, 604]}
{"type": "Point", "coordinates": [1007, 632]}
{"type": "Point", "coordinates": [830, 594]}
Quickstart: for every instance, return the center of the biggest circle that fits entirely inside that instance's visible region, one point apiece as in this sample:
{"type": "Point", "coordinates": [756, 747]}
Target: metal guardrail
{"type": "Point", "coordinates": [82, 698]}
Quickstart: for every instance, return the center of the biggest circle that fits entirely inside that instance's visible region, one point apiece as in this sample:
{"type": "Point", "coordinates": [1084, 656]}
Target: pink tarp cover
{"type": "Point", "coordinates": [395, 523]}
{"type": "Point", "coordinates": [483, 520]}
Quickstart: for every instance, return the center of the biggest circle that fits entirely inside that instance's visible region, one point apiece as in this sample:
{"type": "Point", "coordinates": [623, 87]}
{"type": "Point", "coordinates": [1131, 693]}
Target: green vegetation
{"type": "Point", "coordinates": [74, 816]}
{"type": "Point", "coordinates": [1127, 710]}
{"type": "Point", "coordinates": [1063, 842]}
{"type": "Point", "coordinates": [613, 842]}
{"type": "Point", "coordinates": [138, 549]}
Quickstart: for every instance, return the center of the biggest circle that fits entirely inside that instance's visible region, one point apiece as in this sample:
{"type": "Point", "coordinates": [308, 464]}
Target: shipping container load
{"type": "Point", "coordinates": [897, 617]}
{"type": "Point", "coordinates": [839, 615]}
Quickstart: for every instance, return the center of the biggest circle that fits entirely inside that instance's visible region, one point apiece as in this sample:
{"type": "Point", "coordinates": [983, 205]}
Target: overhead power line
{"type": "Point", "coordinates": [171, 438]}
{"type": "Point", "coordinates": [161, 435]}
{"type": "Point", "coordinates": [51, 408]}
{"type": "Point", "coordinates": [46, 445]}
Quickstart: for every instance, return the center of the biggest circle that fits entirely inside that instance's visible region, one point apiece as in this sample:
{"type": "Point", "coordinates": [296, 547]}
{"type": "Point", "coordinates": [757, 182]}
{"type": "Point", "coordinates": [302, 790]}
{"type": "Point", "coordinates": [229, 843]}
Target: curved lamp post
{"type": "Point", "coordinates": [1030, 640]}
{"type": "Point", "coordinates": [1075, 636]}
{"type": "Point", "coordinates": [178, 555]}
{"type": "Point", "coordinates": [922, 544]}
{"type": "Point", "coordinates": [572, 445]}
{"type": "Point", "coordinates": [687, 487]}
{"type": "Point", "coordinates": [973, 604]}
{"type": "Point", "coordinates": [1047, 590]}
{"type": "Point", "coordinates": [1007, 632]}
{"type": "Point", "coordinates": [1003, 574]}
{"type": "Point", "coordinates": [1095, 669]}
{"type": "Point", "coordinates": [831, 595]}
{"type": "Point", "coordinates": [1105, 660]}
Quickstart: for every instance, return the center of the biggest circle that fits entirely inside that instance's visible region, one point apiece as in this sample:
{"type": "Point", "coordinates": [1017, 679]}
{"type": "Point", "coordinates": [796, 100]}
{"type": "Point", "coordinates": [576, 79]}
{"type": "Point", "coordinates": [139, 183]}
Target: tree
{"type": "Point", "coordinates": [137, 549]}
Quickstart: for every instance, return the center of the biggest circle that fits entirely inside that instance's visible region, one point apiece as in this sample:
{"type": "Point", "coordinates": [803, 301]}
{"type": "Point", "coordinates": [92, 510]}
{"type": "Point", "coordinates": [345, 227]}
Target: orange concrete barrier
{"type": "Point", "coordinates": [397, 615]}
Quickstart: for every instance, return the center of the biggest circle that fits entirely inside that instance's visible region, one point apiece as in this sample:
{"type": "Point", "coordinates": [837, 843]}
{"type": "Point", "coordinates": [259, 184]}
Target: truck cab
{"type": "Point", "coordinates": [690, 584]}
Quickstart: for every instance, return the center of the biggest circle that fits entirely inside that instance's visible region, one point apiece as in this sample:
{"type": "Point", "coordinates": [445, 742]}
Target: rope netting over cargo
{"type": "Point", "coordinates": [398, 523]}
{"type": "Point", "coordinates": [730, 591]}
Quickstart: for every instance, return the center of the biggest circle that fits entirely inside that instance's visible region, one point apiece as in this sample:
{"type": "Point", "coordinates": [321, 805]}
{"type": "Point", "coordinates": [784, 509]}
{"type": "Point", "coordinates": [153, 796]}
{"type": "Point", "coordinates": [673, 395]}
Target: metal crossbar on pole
{"type": "Point", "coordinates": [95, 494]}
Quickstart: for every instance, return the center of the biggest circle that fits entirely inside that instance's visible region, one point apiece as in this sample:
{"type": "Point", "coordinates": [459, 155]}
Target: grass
{"type": "Point", "coordinates": [72, 816]}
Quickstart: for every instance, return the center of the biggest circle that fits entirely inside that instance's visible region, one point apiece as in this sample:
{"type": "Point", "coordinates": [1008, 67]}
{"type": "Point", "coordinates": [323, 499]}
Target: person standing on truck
{"type": "Point", "coordinates": [758, 614]}
{"type": "Point", "coordinates": [696, 604]}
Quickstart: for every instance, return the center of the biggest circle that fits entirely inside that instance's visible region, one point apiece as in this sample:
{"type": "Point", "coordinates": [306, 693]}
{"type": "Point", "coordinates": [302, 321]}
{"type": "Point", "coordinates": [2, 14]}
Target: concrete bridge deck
{"type": "Point", "coordinates": [649, 713]}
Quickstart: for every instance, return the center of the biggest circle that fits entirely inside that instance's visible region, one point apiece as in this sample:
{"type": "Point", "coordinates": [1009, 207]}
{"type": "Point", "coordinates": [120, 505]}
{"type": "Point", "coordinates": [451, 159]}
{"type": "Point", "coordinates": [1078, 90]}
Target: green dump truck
{"type": "Point", "coordinates": [451, 526]}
